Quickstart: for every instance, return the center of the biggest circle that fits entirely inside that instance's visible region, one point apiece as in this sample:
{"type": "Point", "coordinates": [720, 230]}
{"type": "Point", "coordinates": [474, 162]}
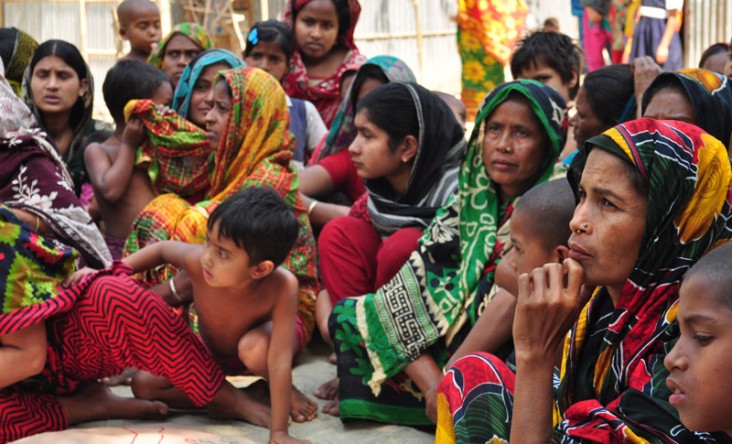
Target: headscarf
{"type": "Point", "coordinates": [343, 131]}
{"type": "Point", "coordinates": [254, 150]}
{"type": "Point", "coordinates": [433, 177]}
{"type": "Point", "coordinates": [34, 178]}
{"type": "Point", "coordinates": [80, 119]}
{"type": "Point", "coordinates": [187, 82]}
{"type": "Point", "coordinates": [434, 292]}
{"type": "Point", "coordinates": [193, 31]}
{"type": "Point", "coordinates": [326, 94]}
{"type": "Point", "coordinates": [688, 175]}
{"type": "Point", "coordinates": [176, 153]}
{"type": "Point", "coordinates": [710, 95]}
{"type": "Point", "coordinates": [16, 49]}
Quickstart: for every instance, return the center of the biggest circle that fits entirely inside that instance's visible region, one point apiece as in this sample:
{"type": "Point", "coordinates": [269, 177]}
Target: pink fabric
{"type": "Point", "coordinates": [596, 38]}
{"type": "Point", "coordinates": [354, 260]}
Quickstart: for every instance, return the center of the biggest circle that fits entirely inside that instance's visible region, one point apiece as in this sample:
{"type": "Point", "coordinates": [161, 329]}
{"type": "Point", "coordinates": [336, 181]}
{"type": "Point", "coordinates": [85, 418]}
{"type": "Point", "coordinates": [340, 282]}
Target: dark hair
{"type": "Point", "coordinates": [258, 220]}
{"type": "Point", "coordinates": [71, 56]}
{"type": "Point", "coordinates": [344, 18]}
{"type": "Point", "coordinates": [553, 49]}
{"type": "Point", "coordinates": [714, 270]}
{"type": "Point", "coordinates": [713, 50]}
{"type": "Point", "coordinates": [271, 31]}
{"type": "Point", "coordinates": [7, 45]}
{"type": "Point", "coordinates": [128, 80]}
{"type": "Point", "coordinates": [391, 108]}
{"type": "Point", "coordinates": [553, 203]}
{"type": "Point", "coordinates": [608, 90]}
{"type": "Point", "coordinates": [367, 71]}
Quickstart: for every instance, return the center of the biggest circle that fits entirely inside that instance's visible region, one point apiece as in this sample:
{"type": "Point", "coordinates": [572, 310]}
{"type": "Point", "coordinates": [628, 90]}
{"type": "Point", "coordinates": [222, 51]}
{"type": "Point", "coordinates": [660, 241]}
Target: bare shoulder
{"type": "Point", "coordinates": [284, 283]}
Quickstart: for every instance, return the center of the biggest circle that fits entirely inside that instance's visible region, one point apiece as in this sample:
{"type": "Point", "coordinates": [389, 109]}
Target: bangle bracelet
{"type": "Point", "coordinates": [38, 223]}
{"type": "Point", "coordinates": [312, 206]}
{"type": "Point", "coordinates": [173, 290]}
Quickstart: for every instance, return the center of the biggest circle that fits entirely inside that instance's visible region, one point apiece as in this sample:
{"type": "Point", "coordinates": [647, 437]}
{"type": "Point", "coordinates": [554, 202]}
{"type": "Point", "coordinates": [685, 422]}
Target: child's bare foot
{"type": "Point", "coordinates": [327, 391]}
{"type": "Point", "coordinates": [124, 378]}
{"type": "Point", "coordinates": [332, 408]}
{"type": "Point", "coordinates": [333, 359]}
{"type": "Point", "coordinates": [259, 391]}
{"type": "Point", "coordinates": [233, 403]}
{"type": "Point", "coordinates": [96, 402]}
{"type": "Point", "coordinates": [284, 438]}
{"type": "Point", "coordinates": [302, 409]}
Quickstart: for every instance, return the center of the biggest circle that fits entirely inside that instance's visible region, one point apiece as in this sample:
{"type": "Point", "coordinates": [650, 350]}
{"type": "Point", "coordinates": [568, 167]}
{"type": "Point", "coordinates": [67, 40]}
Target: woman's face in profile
{"type": "Point", "coordinates": [609, 221]}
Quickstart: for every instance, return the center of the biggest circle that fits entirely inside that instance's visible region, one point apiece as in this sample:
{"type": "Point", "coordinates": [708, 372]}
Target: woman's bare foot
{"type": "Point", "coordinates": [233, 403]}
{"type": "Point", "coordinates": [333, 359]}
{"type": "Point", "coordinates": [327, 391]}
{"type": "Point", "coordinates": [332, 408]}
{"type": "Point", "coordinates": [302, 409]}
{"type": "Point", "coordinates": [124, 378]}
{"type": "Point", "coordinates": [96, 402]}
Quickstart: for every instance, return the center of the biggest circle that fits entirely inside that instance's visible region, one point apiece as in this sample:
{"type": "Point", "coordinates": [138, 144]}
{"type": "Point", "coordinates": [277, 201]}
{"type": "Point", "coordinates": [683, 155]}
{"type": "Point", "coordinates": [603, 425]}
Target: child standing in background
{"type": "Point", "coordinates": [325, 53]}
{"type": "Point", "coordinates": [270, 46]}
{"type": "Point", "coordinates": [139, 23]}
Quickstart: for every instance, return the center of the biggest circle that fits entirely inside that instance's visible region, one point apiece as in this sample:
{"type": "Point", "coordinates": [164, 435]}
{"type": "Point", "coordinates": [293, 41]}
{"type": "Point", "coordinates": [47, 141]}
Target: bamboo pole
{"type": "Point", "coordinates": [418, 28]}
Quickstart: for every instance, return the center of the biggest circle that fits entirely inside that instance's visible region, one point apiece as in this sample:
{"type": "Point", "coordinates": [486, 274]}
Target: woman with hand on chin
{"type": "Point", "coordinates": [652, 199]}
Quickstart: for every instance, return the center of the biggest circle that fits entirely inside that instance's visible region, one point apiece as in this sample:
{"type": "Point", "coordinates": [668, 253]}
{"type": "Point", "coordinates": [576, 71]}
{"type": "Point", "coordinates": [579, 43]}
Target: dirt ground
{"type": "Point", "coordinates": [312, 370]}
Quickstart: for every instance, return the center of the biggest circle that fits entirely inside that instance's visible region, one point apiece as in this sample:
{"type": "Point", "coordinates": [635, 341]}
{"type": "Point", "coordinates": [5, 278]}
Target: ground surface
{"type": "Point", "coordinates": [312, 370]}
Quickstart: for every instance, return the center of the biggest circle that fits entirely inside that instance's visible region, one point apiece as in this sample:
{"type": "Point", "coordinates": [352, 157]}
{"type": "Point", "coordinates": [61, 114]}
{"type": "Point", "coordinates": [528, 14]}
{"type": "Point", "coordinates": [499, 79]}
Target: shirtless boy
{"type": "Point", "coordinates": [245, 303]}
{"type": "Point", "coordinates": [121, 189]}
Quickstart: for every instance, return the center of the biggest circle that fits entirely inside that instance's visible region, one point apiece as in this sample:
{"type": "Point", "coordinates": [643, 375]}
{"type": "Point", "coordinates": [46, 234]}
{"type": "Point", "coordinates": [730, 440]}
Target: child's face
{"type": "Point", "coordinates": [550, 77]}
{"type": "Point", "coordinates": [513, 146]}
{"type": "Point", "coordinates": [179, 52]}
{"type": "Point", "coordinates": [700, 363]}
{"type": "Point", "coordinates": [143, 29]}
{"type": "Point", "coordinates": [269, 57]}
{"type": "Point", "coordinates": [163, 95]}
{"type": "Point", "coordinates": [728, 65]}
{"type": "Point", "coordinates": [529, 251]}
{"type": "Point", "coordinates": [316, 28]}
{"type": "Point", "coordinates": [200, 103]}
{"type": "Point", "coordinates": [218, 117]}
{"type": "Point", "coordinates": [223, 263]}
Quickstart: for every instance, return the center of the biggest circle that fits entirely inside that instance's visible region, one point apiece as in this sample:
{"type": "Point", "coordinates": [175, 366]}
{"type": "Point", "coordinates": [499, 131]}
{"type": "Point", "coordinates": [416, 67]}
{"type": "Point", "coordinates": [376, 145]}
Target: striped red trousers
{"type": "Point", "coordinates": [115, 324]}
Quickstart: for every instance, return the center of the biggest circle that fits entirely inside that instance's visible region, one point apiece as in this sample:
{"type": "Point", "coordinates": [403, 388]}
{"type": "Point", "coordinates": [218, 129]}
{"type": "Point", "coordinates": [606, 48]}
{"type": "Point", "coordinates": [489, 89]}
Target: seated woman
{"type": "Point", "coordinates": [604, 100]}
{"type": "Point", "coordinates": [407, 327]}
{"type": "Point", "coordinates": [59, 88]}
{"type": "Point", "coordinates": [248, 127]}
{"type": "Point", "coordinates": [332, 171]}
{"type": "Point", "coordinates": [408, 151]}
{"type": "Point", "coordinates": [652, 199]}
{"type": "Point", "coordinates": [176, 50]}
{"type": "Point", "coordinates": [37, 187]}
{"type": "Point", "coordinates": [325, 51]}
{"type": "Point", "coordinates": [197, 82]}
{"type": "Point", "coordinates": [692, 95]}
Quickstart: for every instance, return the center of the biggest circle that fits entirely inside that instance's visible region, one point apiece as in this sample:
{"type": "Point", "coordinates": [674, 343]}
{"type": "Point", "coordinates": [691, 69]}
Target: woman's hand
{"type": "Point", "coordinates": [645, 70]}
{"type": "Point", "coordinates": [550, 299]}
{"type": "Point", "coordinates": [77, 276]}
{"type": "Point", "coordinates": [164, 110]}
{"type": "Point", "coordinates": [134, 133]}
